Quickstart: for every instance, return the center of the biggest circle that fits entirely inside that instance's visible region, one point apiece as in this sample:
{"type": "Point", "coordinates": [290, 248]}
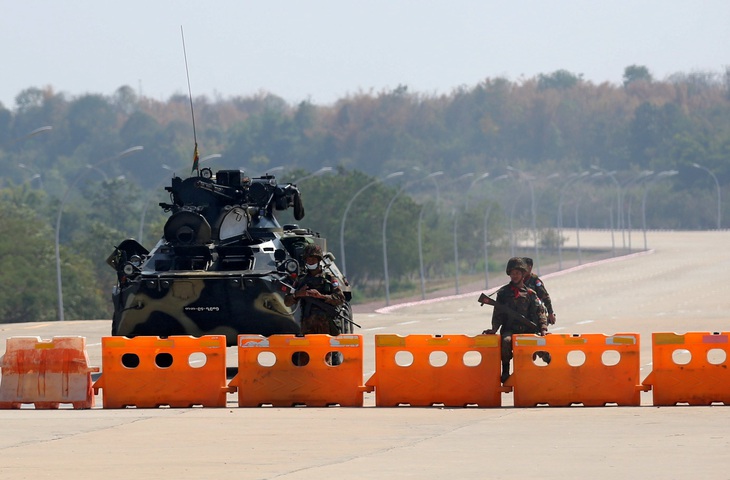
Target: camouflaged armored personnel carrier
{"type": "Point", "coordinates": [223, 264]}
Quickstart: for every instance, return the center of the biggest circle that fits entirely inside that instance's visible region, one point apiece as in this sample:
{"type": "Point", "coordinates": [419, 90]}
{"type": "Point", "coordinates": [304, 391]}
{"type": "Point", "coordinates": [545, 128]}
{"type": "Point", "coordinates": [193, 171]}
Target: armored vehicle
{"type": "Point", "coordinates": [223, 264]}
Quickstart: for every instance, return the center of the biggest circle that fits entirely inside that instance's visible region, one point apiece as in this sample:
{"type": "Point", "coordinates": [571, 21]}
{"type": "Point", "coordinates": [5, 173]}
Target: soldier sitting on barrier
{"type": "Point", "coordinates": [319, 295]}
{"type": "Point", "coordinates": [517, 309]}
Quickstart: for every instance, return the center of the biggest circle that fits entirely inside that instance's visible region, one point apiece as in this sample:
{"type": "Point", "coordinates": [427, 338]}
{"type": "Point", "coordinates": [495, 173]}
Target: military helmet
{"type": "Point", "coordinates": [313, 250]}
{"type": "Point", "coordinates": [516, 262]}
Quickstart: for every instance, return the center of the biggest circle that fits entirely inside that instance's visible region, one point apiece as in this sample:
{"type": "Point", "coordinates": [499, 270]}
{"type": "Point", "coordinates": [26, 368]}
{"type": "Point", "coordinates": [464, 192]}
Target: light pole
{"type": "Point", "coordinates": [666, 173]}
{"type": "Point", "coordinates": [534, 214]}
{"type": "Point", "coordinates": [78, 178]}
{"type": "Point", "coordinates": [574, 178]}
{"type": "Point", "coordinates": [319, 172]}
{"type": "Point", "coordinates": [619, 204]}
{"type": "Point", "coordinates": [147, 202]}
{"type": "Point", "coordinates": [486, 236]}
{"type": "Point", "coordinates": [209, 157]}
{"type": "Point", "coordinates": [643, 174]}
{"type": "Point", "coordinates": [577, 233]}
{"type": "Point", "coordinates": [347, 209]}
{"type": "Point", "coordinates": [34, 175]}
{"type": "Point", "coordinates": [717, 185]}
{"type": "Point", "coordinates": [456, 239]}
{"type": "Point", "coordinates": [421, 268]}
{"type": "Point", "coordinates": [32, 133]}
{"type": "Point", "coordinates": [385, 225]}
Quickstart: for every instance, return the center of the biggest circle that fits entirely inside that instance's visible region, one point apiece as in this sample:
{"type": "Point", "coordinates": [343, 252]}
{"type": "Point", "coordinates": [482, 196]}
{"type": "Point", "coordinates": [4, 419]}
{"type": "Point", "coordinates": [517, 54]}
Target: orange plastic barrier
{"type": "Point", "coordinates": [592, 369]}
{"type": "Point", "coordinates": [288, 370]}
{"type": "Point", "coordinates": [690, 368]}
{"type": "Point", "coordinates": [178, 371]}
{"type": "Point", "coordinates": [46, 373]}
{"type": "Point", "coordinates": [453, 370]}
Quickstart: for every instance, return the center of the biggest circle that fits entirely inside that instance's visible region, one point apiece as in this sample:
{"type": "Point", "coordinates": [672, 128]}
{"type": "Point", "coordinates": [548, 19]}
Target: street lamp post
{"type": "Point", "coordinates": [666, 173]}
{"type": "Point", "coordinates": [619, 204]}
{"type": "Point", "coordinates": [147, 202]}
{"type": "Point", "coordinates": [421, 268]}
{"type": "Point", "coordinates": [319, 172]}
{"type": "Point", "coordinates": [577, 233]}
{"type": "Point", "coordinates": [78, 178]}
{"type": "Point", "coordinates": [486, 236]}
{"type": "Point", "coordinates": [486, 247]}
{"type": "Point", "coordinates": [643, 174]}
{"type": "Point", "coordinates": [456, 239]}
{"type": "Point", "coordinates": [34, 174]}
{"type": "Point", "coordinates": [347, 209]}
{"type": "Point", "coordinates": [717, 185]}
{"type": "Point", "coordinates": [533, 209]}
{"type": "Point", "coordinates": [33, 133]}
{"type": "Point", "coordinates": [574, 178]}
{"type": "Point", "coordinates": [385, 225]}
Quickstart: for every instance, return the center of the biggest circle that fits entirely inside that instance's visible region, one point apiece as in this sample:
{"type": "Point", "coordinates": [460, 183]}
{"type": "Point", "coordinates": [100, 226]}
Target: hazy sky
{"type": "Point", "coordinates": [322, 50]}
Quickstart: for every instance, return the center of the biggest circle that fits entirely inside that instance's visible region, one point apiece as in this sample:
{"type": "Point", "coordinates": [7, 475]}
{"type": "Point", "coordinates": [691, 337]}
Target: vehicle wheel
{"type": "Point", "coordinates": [348, 327]}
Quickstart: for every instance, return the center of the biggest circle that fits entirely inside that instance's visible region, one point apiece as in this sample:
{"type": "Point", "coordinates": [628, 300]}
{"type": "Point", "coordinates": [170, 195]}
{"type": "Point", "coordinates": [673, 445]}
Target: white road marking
{"type": "Point", "coordinates": [584, 322]}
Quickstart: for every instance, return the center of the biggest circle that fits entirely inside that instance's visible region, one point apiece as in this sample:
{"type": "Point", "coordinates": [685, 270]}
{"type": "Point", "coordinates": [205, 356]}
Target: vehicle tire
{"type": "Point", "coordinates": [348, 326]}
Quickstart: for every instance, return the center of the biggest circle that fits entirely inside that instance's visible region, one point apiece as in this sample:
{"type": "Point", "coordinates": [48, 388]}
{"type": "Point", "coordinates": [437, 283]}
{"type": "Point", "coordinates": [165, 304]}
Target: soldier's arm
{"type": "Point", "coordinates": [498, 317]}
{"type": "Point", "coordinates": [541, 313]}
{"type": "Point", "coordinates": [336, 298]}
{"type": "Point", "coordinates": [545, 297]}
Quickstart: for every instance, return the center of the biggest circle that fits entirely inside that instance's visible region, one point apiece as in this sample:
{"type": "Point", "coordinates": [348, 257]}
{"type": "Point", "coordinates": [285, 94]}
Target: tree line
{"type": "Point", "coordinates": [489, 166]}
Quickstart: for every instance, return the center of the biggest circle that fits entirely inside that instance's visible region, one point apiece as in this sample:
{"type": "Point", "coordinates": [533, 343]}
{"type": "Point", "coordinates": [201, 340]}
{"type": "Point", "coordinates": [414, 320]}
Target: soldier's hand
{"type": "Point", "coordinates": [302, 292]}
{"type": "Point", "coordinates": [543, 332]}
{"type": "Point", "coordinates": [489, 331]}
{"type": "Point", "coordinates": [551, 319]}
{"type": "Point", "coordinates": [315, 294]}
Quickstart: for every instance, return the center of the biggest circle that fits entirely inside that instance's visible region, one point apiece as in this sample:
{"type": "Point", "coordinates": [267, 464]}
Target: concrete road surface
{"type": "Point", "coordinates": [678, 286]}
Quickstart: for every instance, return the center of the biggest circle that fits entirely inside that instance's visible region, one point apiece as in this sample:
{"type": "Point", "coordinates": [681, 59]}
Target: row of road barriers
{"type": "Point", "coordinates": [323, 370]}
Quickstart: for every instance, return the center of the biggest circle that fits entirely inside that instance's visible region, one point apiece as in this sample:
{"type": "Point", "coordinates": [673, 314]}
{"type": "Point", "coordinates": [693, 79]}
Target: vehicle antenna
{"type": "Point", "coordinates": [196, 156]}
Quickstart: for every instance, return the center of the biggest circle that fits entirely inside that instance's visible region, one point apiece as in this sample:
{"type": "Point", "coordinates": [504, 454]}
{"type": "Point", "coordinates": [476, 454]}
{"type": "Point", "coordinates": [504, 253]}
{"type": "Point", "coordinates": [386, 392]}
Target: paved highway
{"type": "Point", "coordinates": [677, 286]}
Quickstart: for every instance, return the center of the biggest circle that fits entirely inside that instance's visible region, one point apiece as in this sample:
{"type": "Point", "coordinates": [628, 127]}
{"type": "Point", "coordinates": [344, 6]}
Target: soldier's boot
{"type": "Point", "coordinates": [505, 371]}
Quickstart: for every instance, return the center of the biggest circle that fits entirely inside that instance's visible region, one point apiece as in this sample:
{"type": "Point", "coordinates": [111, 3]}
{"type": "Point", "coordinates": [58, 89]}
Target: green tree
{"type": "Point", "coordinates": [636, 73]}
{"type": "Point", "coordinates": [27, 264]}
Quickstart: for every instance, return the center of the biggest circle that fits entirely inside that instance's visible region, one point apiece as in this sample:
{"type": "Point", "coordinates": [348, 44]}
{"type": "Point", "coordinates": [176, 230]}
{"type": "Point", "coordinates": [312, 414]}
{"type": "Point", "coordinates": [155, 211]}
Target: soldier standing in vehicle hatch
{"type": "Point", "coordinates": [535, 283]}
{"type": "Point", "coordinates": [521, 301]}
{"type": "Point", "coordinates": [319, 295]}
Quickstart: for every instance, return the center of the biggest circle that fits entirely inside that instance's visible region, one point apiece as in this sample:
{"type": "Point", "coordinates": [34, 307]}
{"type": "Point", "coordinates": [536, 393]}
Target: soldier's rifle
{"type": "Point", "coordinates": [516, 316]}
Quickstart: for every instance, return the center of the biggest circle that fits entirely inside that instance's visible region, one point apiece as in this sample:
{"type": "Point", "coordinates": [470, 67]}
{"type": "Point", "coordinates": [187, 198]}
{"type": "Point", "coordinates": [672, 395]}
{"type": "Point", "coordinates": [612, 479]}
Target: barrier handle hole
{"type": "Point", "coordinates": [197, 360]}
{"type": "Point", "coordinates": [300, 359]}
{"type": "Point", "coordinates": [438, 358]}
{"type": "Point", "coordinates": [716, 356]}
{"type": "Point", "coordinates": [130, 360]}
{"type": "Point", "coordinates": [266, 359]}
{"type": "Point", "coordinates": [404, 358]}
{"type": "Point", "coordinates": [334, 358]}
{"type": "Point", "coordinates": [163, 360]}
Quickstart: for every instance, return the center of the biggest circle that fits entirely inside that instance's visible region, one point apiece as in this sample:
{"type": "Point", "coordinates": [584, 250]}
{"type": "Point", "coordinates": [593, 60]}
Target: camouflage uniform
{"type": "Point", "coordinates": [525, 302]}
{"type": "Point", "coordinates": [318, 314]}
{"type": "Point", "coordinates": [533, 282]}
{"type": "Point", "coordinates": [521, 300]}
